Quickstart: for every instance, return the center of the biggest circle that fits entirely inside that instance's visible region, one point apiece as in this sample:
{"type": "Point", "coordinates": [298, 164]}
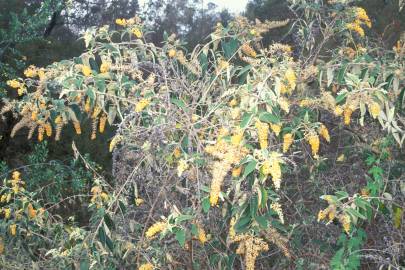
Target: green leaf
{"type": "Point", "coordinates": [181, 237]}
{"type": "Point", "coordinates": [112, 114]}
{"type": "Point", "coordinates": [401, 99]}
{"type": "Point", "coordinates": [105, 239]}
{"type": "Point", "coordinates": [244, 70]}
{"type": "Point", "coordinates": [230, 47]}
{"type": "Point", "coordinates": [194, 230]}
{"type": "Point", "coordinates": [100, 83]}
{"type": "Point", "coordinates": [93, 64]}
{"type": "Point", "coordinates": [264, 196]}
{"type": "Point", "coordinates": [340, 98]}
{"type": "Point", "coordinates": [242, 224]}
{"type": "Point", "coordinates": [253, 206]}
{"type": "Point", "coordinates": [388, 81]}
{"type": "Point", "coordinates": [91, 94]}
{"type": "Point", "coordinates": [342, 194]}
{"type": "Point", "coordinates": [262, 221]}
{"type": "Point", "coordinates": [341, 74]}
{"type": "Point", "coordinates": [336, 262]}
{"type": "Point", "coordinates": [360, 202]}
{"type": "Point", "coordinates": [250, 167]}
{"type": "Point", "coordinates": [269, 118]}
{"type": "Point", "coordinates": [398, 212]}
{"type": "Point", "coordinates": [203, 62]}
{"type": "Point", "coordinates": [182, 218]}
{"type": "Point", "coordinates": [109, 222]}
{"type": "Point", "coordinates": [246, 118]}
{"type": "Point", "coordinates": [355, 213]}
{"type": "Point", "coordinates": [206, 204]}
{"type": "Point", "coordinates": [179, 103]}
{"type": "Point", "coordinates": [85, 264]}
{"type": "Point", "coordinates": [122, 206]}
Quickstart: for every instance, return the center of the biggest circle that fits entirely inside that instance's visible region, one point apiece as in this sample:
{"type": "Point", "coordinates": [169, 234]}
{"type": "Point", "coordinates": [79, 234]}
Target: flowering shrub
{"type": "Point", "coordinates": [206, 142]}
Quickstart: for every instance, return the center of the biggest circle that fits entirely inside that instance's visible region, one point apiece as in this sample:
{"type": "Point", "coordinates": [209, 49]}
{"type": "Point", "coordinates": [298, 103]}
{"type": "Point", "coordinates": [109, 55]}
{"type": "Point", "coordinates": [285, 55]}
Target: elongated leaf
{"type": "Point", "coordinates": [250, 167]}
{"type": "Point", "coordinates": [246, 118]}
{"type": "Point", "coordinates": [182, 218]}
{"type": "Point", "coordinates": [262, 221]}
{"type": "Point", "coordinates": [242, 224]}
{"type": "Point", "coordinates": [269, 118]}
{"type": "Point", "coordinates": [181, 237]}
{"type": "Point", "coordinates": [355, 213]}
{"type": "Point", "coordinates": [230, 47]}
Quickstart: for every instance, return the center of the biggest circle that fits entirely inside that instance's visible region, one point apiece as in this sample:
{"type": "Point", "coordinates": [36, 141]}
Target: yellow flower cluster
{"type": "Point", "coordinates": [345, 221]}
{"type": "Point", "coordinates": [142, 105]}
{"type": "Point", "coordinates": [275, 128]}
{"type": "Point", "coordinates": [228, 155]}
{"type": "Point", "coordinates": [146, 266]}
{"type": "Point", "coordinates": [139, 201]}
{"type": "Point", "coordinates": [347, 114]}
{"type": "Point", "coordinates": [272, 167]}
{"type": "Point", "coordinates": [202, 237]}
{"type": "Point", "coordinates": [155, 228]}
{"type": "Point", "coordinates": [232, 233]}
{"type": "Point", "coordinates": [250, 246]}
{"type": "Point", "coordinates": [76, 125]}
{"type": "Point", "coordinates": [16, 182]}
{"type": "Point", "coordinates": [16, 186]}
{"type": "Point", "coordinates": [288, 139]}
{"type": "Point", "coordinates": [278, 47]}
{"type": "Point", "coordinates": [86, 70]}
{"type": "Point", "coordinates": [361, 18]}
{"type": "Point", "coordinates": [237, 171]}
{"type": "Point", "coordinates": [361, 15]}
{"type": "Point", "coordinates": [338, 110]}
{"type": "Point", "coordinates": [248, 50]}
{"type": "Point", "coordinates": [223, 64]}
{"type": "Point", "coordinates": [137, 32]}
{"type": "Point", "coordinates": [172, 53]}
{"type": "Point", "coordinates": [32, 213]}
{"type": "Point", "coordinates": [87, 105]}
{"type": "Point", "coordinates": [329, 212]}
{"type": "Point", "coordinates": [354, 26]}
{"type": "Point", "coordinates": [121, 22]}
{"type": "Point", "coordinates": [98, 196]}
{"type": "Point", "coordinates": [128, 22]}
{"type": "Point", "coordinates": [233, 102]}
{"type": "Point", "coordinates": [262, 132]}
{"type": "Point", "coordinates": [103, 121]}
{"type": "Point", "coordinates": [374, 109]}
{"type": "Point", "coordinates": [313, 140]}
{"type": "Point", "coordinates": [237, 136]}
{"type": "Point", "coordinates": [181, 167]}
{"type": "Point", "coordinates": [13, 83]}
{"type": "Point", "coordinates": [324, 132]}
{"type": "Point", "coordinates": [277, 208]}
{"type": "Point", "coordinates": [21, 89]}
{"type": "Point", "coordinates": [31, 72]}
{"type": "Point", "coordinates": [117, 139]}
{"type": "Point", "coordinates": [13, 229]}
{"type": "Point", "coordinates": [104, 67]}
{"type": "Point", "coordinates": [291, 80]}
{"type": "Point", "coordinates": [177, 152]}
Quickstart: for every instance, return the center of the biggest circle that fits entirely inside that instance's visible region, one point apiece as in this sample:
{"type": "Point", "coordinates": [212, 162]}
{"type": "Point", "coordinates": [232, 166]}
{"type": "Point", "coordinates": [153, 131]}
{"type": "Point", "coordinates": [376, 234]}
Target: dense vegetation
{"type": "Point", "coordinates": [271, 144]}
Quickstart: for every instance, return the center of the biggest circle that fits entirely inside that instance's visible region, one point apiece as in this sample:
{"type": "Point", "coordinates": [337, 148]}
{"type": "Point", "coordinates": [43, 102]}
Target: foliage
{"type": "Point", "coordinates": [21, 22]}
{"type": "Point", "coordinates": [207, 146]}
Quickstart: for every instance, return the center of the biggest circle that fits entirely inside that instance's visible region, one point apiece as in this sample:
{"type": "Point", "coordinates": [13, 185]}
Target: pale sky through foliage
{"type": "Point", "coordinates": [234, 6]}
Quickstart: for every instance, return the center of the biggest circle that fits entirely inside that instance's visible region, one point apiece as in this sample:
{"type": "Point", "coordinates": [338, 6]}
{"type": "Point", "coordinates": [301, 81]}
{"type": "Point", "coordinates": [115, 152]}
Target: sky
{"type": "Point", "coordinates": [234, 6]}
